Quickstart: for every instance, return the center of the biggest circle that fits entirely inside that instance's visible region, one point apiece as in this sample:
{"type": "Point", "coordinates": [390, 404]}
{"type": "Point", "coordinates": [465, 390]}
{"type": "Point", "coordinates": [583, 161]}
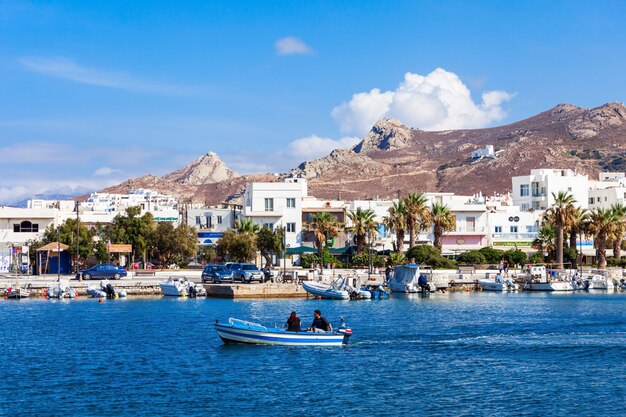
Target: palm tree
{"type": "Point", "coordinates": [246, 226]}
{"type": "Point", "coordinates": [560, 213]}
{"type": "Point", "coordinates": [600, 226]}
{"type": "Point", "coordinates": [324, 225]}
{"type": "Point", "coordinates": [396, 222]}
{"type": "Point", "coordinates": [363, 224]}
{"type": "Point", "coordinates": [619, 212]}
{"type": "Point", "coordinates": [417, 214]}
{"type": "Point", "coordinates": [576, 227]}
{"type": "Point", "coordinates": [546, 239]}
{"type": "Point", "coordinates": [443, 221]}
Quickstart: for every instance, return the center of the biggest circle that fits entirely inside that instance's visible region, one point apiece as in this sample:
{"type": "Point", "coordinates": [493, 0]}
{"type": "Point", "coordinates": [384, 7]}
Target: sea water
{"type": "Point", "coordinates": [445, 354]}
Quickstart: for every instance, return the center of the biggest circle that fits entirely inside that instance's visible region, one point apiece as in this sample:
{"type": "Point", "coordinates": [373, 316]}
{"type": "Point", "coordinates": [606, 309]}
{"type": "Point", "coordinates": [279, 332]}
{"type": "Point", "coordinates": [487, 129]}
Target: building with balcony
{"type": "Point", "coordinates": [212, 222]}
{"type": "Point", "coordinates": [608, 190]}
{"type": "Point", "coordinates": [534, 191]}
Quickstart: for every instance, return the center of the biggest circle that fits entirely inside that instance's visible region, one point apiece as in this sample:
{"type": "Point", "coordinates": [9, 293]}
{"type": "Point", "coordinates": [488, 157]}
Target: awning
{"type": "Point", "coordinates": [300, 250]}
{"type": "Point", "coordinates": [342, 251]}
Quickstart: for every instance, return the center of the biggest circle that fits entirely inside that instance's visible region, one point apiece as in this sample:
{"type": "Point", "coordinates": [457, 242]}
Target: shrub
{"type": "Point", "coordinates": [472, 257]}
{"type": "Point", "coordinates": [441, 262]}
{"type": "Point", "coordinates": [492, 255]}
{"type": "Point", "coordinates": [537, 258]}
{"type": "Point", "coordinates": [421, 253]}
{"type": "Point", "coordinates": [515, 257]}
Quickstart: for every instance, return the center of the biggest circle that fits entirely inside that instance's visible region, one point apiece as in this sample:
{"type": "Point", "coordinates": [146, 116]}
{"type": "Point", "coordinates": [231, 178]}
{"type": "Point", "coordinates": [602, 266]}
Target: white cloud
{"type": "Point", "coordinates": [437, 101]}
{"type": "Point", "coordinates": [292, 46]}
{"type": "Point", "coordinates": [105, 171]}
{"type": "Point", "coordinates": [69, 70]}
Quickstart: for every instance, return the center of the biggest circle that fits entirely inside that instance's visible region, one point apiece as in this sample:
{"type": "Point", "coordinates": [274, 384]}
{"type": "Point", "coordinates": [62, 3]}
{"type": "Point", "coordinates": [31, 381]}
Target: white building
{"type": "Point", "coordinates": [534, 191]}
{"type": "Point", "coordinates": [486, 152]}
{"type": "Point", "coordinates": [163, 207]}
{"type": "Point", "coordinates": [609, 190]}
{"type": "Point", "coordinates": [212, 222]}
{"type": "Point", "coordinates": [277, 204]}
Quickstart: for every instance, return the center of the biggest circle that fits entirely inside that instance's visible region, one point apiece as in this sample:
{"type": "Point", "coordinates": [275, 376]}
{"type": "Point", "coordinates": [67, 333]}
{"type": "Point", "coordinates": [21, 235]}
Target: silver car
{"type": "Point", "coordinates": [245, 272]}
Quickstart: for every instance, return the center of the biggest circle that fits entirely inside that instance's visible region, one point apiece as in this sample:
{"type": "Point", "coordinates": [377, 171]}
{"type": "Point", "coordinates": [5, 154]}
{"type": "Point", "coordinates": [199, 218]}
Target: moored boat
{"type": "Point", "coordinates": [538, 279]}
{"type": "Point", "coordinates": [334, 291]}
{"type": "Point", "coordinates": [15, 292]}
{"type": "Point", "coordinates": [499, 284]}
{"type": "Point", "coordinates": [241, 331]}
{"type": "Point", "coordinates": [411, 278]}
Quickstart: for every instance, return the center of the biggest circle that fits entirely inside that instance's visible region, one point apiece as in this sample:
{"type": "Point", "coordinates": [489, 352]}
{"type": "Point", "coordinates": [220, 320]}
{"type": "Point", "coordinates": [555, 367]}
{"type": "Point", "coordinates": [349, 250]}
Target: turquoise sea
{"type": "Point", "coordinates": [454, 354]}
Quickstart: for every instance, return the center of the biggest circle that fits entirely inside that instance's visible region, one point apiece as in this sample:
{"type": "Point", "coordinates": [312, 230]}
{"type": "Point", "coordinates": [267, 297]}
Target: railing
{"type": "Point", "coordinates": [526, 236]}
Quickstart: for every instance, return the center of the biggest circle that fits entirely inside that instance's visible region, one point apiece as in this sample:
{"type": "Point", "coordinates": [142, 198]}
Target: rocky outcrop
{"type": "Point", "coordinates": [206, 169]}
{"type": "Point", "coordinates": [394, 159]}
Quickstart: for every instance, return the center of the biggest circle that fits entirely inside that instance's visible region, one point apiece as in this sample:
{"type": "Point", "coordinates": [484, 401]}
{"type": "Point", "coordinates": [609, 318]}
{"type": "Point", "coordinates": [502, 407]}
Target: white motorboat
{"type": "Point", "coordinates": [411, 278]}
{"type": "Point", "coordinates": [597, 282]}
{"type": "Point", "coordinates": [335, 291]}
{"type": "Point", "coordinates": [506, 284]}
{"type": "Point", "coordinates": [537, 279]}
{"type": "Point", "coordinates": [95, 292]}
{"type": "Point", "coordinates": [182, 287]}
{"type": "Point", "coordinates": [240, 331]}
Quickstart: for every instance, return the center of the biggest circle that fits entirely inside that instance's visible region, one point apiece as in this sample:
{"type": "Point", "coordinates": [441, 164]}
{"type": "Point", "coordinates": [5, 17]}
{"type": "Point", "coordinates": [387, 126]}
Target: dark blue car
{"type": "Point", "coordinates": [104, 271]}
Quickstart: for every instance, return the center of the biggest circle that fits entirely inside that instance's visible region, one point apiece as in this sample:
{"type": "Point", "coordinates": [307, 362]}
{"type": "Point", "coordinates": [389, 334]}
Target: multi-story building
{"type": "Point", "coordinates": [535, 191]}
{"type": "Point", "coordinates": [609, 190]}
{"type": "Point", "coordinates": [212, 222]}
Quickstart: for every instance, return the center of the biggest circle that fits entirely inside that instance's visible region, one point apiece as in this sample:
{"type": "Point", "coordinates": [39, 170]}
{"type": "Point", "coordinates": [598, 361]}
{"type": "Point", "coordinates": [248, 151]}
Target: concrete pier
{"type": "Point", "coordinates": [267, 290]}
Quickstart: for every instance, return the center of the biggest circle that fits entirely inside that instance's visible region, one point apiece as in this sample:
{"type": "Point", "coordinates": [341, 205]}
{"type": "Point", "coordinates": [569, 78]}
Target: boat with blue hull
{"type": "Point", "coordinates": [241, 331]}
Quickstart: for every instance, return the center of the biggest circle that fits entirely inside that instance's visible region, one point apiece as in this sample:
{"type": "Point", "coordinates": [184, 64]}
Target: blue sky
{"type": "Point", "coordinates": [93, 93]}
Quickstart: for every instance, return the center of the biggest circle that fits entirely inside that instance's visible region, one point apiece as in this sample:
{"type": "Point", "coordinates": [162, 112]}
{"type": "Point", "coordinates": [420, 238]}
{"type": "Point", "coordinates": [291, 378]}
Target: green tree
{"type": "Point", "coordinates": [208, 254]}
{"type": "Point", "coordinates": [68, 237]}
{"type": "Point", "coordinates": [600, 226]}
{"type": "Point", "coordinates": [174, 245]}
{"type": "Point", "coordinates": [269, 241]}
{"type": "Point", "coordinates": [132, 229]}
{"type": "Point", "coordinates": [396, 222]}
{"type": "Point", "coordinates": [576, 227]}
{"type": "Point", "coordinates": [422, 253]}
{"type": "Point", "coordinates": [363, 225]}
{"type": "Point", "coordinates": [515, 257]}
{"type": "Point", "coordinates": [560, 214]}
{"type": "Point", "coordinates": [619, 228]}
{"type": "Point", "coordinates": [236, 247]}
{"type": "Point", "coordinates": [546, 240]}
{"type": "Point", "coordinates": [324, 226]}
{"type": "Point", "coordinates": [443, 221]}
{"type": "Point", "coordinates": [396, 259]}
{"type": "Point", "coordinates": [417, 214]}
{"type": "Point", "coordinates": [246, 226]}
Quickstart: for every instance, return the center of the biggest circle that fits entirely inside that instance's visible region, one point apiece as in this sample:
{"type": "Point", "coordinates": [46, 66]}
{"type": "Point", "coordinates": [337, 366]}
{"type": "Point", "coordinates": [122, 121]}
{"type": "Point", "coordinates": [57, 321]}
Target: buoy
{"type": "Point", "coordinates": [99, 300]}
{"type": "Point", "coordinates": [467, 290]}
{"type": "Point", "coordinates": [443, 291]}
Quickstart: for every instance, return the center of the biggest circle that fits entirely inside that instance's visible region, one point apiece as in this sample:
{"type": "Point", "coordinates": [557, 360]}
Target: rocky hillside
{"type": "Point", "coordinates": [394, 159]}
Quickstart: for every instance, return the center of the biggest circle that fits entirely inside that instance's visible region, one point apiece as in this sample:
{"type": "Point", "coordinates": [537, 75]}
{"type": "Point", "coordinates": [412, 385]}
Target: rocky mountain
{"type": "Point", "coordinates": [393, 159]}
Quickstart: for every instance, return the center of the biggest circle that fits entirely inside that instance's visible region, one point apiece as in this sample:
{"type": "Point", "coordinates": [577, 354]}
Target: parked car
{"type": "Point", "coordinates": [245, 272]}
{"type": "Point", "coordinates": [102, 271]}
{"type": "Point", "coordinates": [194, 265]}
{"type": "Point", "coordinates": [216, 274]}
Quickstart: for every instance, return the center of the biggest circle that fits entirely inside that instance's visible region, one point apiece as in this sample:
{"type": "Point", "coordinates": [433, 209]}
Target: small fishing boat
{"type": "Point", "coordinates": [241, 331]}
{"type": "Point", "coordinates": [61, 289]}
{"type": "Point", "coordinates": [597, 282]}
{"type": "Point", "coordinates": [538, 279]}
{"type": "Point", "coordinates": [16, 292]}
{"type": "Point", "coordinates": [335, 291]}
{"type": "Point", "coordinates": [407, 278]}
{"type": "Point", "coordinates": [502, 284]}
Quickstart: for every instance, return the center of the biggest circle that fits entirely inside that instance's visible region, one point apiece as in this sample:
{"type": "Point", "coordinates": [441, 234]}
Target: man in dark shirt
{"type": "Point", "coordinates": [320, 323]}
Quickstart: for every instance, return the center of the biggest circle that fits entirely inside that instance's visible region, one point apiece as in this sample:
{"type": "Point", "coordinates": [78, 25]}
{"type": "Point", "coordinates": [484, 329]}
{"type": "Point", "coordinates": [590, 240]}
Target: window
{"type": "Point", "coordinates": [219, 219]}
{"type": "Point", "coordinates": [471, 224]}
{"type": "Point", "coordinates": [291, 202]}
{"type": "Point", "coordinates": [26, 227]}
{"type": "Point", "coordinates": [269, 204]}
{"type": "Point", "coordinates": [569, 189]}
{"type": "Point", "coordinates": [590, 200]}
{"type": "Point", "coordinates": [523, 190]}
{"type": "Point", "coordinates": [291, 227]}
{"type": "Point", "coordinates": [529, 229]}
{"type": "Point", "coordinates": [598, 199]}
{"type": "Point", "coordinates": [208, 221]}
{"type": "Point", "coordinates": [498, 229]}
{"type": "Point", "coordinates": [536, 205]}
{"type": "Point", "coordinates": [606, 198]}
{"type": "Point", "coordinates": [513, 229]}
{"type": "Point", "coordinates": [198, 220]}
{"type": "Point", "coordinates": [525, 207]}
{"type": "Point", "coordinates": [270, 226]}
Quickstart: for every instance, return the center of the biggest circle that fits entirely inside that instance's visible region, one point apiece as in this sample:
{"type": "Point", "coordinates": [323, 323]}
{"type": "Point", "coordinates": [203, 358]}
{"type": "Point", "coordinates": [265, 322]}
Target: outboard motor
{"type": "Point", "coordinates": [193, 292]}
{"type": "Point", "coordinates": [110, 291]}
{"type": "Point", "coordinates": [345, 331]}
{"type": "Point", "coordinates": [422, 281]}
{"type": "Point", "coordinates": [587, 284]}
